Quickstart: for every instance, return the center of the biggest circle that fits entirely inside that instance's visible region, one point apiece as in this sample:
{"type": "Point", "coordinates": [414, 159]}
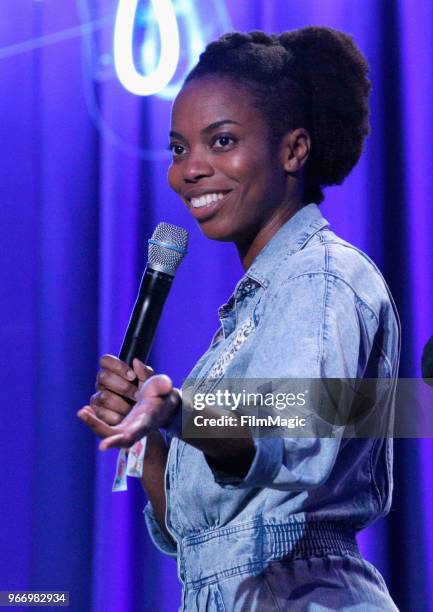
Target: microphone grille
{"type": "Point", "coordinates": [167, 248]}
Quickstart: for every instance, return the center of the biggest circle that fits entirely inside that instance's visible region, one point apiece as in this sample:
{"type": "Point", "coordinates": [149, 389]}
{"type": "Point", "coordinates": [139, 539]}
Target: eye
{"type": "Point", "coordinates": [177, 149]}
{"type": "Point", "coordinates": [224, 141]}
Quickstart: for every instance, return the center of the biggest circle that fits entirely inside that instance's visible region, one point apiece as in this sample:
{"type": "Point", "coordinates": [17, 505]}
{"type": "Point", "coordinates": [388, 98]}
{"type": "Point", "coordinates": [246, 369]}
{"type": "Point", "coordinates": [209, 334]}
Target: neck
{"type": "Point", "coordinates": [250, 248]}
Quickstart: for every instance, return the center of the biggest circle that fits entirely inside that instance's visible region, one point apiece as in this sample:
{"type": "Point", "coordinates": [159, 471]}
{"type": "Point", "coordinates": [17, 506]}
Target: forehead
{"type": "Point", "coordinates": [206, 100]}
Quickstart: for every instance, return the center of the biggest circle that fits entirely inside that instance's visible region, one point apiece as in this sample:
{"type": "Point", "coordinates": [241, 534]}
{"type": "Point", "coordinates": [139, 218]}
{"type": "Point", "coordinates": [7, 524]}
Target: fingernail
{"type": "Point", "coordinates": [130, 375]}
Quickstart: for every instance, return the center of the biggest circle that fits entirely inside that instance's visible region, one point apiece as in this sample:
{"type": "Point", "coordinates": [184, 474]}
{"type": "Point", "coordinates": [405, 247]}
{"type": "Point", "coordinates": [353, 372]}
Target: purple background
{"type": "Point", "coordinates": [82, 186]}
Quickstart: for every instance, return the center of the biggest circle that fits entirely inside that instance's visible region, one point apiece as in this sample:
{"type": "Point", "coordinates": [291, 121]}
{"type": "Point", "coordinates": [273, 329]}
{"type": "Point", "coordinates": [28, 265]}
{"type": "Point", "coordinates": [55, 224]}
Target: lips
{"type": "Point", "coordinates": [201, 197]}
{"type": "Point", "coordinates": [205, 206]}
{"type": "Point", "coordinates": [206, 199]}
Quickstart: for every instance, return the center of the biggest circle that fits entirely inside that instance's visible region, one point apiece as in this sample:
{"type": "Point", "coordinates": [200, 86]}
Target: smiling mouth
{"type": "Point", "coordinates": [207, 199]}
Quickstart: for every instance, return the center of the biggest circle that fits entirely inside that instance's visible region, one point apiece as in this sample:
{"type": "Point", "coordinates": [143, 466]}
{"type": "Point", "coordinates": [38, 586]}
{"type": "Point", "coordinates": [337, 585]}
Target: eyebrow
{"type": "Point", "coordinates": [209, 128]}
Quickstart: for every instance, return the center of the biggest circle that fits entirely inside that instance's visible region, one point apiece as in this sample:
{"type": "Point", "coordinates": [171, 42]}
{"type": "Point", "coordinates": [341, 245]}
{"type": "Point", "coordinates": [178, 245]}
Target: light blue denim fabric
{"type": "Point", "coordinates": [283, 538]}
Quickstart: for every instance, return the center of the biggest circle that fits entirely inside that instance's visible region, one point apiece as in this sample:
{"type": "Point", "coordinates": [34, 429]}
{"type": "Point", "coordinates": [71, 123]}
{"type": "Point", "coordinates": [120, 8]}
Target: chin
{"type": "Point", "coordinates": [217, 231]}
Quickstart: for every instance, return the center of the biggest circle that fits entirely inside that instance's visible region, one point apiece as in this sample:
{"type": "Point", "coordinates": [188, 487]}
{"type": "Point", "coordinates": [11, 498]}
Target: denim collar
{"type": "Point", "coordinates": [289, 239]}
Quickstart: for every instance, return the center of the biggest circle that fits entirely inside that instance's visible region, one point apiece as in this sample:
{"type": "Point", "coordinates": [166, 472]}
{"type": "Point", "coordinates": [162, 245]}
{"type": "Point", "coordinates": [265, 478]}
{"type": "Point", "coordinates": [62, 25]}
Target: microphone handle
{"type": "Point", "coordinates": [154, 289]}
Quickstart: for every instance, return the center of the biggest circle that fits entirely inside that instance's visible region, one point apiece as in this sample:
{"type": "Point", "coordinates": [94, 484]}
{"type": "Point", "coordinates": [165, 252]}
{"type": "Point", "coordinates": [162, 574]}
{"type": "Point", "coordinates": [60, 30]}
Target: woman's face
{"type": "Point", "coordinates": [223, 167]}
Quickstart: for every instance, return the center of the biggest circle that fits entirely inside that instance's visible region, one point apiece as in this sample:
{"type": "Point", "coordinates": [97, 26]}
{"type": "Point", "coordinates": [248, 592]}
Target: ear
{"type": "Point", "coordinates": [294, 149]}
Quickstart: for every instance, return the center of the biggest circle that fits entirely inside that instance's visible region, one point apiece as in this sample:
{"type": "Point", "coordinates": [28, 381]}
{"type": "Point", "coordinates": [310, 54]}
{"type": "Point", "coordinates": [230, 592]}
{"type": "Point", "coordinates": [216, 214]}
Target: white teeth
{"type": "Point", "coordinates": [206, 199]}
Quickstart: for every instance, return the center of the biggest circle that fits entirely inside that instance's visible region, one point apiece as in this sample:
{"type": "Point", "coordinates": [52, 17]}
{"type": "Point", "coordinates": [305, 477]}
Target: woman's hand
{"type": "Point", "coordinates": [157, 405]}
{"type": "Point", "coordinates": [116, 386]}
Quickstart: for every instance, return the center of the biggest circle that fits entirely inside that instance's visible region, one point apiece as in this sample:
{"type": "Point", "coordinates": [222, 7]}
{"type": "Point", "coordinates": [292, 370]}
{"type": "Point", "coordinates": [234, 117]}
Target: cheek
{"type": "Point", "coordinates": [255, 174]}
{"type": "Point", "coordinates": [244, 168]}
{"type": "Point", "coordinates": [173, 177]}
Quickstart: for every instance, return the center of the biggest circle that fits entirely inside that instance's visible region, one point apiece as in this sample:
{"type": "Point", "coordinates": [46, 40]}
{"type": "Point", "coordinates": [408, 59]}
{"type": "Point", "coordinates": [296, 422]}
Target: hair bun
{"type": "Point", "coordinates": [318, 48]}
{"type": "Point", "coordinates": [234, 40]}
{"type": "Point", "coordinates": [261, 38]}
{"type": "Point", "coordinates": [231, 40]}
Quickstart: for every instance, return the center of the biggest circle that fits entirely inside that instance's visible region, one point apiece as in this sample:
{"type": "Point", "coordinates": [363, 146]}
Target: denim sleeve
{"type": "Point", "coordinates": [314, 328]}
{"type": "Point", "coordinates": [162, 541]}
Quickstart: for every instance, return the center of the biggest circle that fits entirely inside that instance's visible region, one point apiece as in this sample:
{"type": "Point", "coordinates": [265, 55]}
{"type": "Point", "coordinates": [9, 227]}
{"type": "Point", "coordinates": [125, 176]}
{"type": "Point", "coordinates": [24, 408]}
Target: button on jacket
{"type": "Point", "coordinates": [283, 537]}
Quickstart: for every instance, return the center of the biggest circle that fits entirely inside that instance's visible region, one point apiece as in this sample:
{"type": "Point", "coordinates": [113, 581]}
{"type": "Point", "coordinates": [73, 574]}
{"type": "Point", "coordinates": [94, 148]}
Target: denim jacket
{"type": "Point", "coordinates": [311, 305]}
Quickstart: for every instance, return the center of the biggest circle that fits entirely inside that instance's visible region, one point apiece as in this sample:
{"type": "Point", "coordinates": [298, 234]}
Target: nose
{"type": "Point", "coordinates": [196, 166]}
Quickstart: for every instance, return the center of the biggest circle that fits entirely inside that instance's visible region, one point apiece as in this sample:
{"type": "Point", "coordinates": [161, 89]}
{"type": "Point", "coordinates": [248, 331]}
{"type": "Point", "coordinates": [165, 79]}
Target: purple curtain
{"type": "Point", "coordinates": [82, 187]}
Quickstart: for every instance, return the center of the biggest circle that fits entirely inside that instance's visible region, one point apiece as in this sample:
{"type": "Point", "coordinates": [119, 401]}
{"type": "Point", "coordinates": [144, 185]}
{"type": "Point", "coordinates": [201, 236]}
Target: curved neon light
{"type": "Point", "coordinates": [131, 79]}
{"type": "Point", "coordinates": [195, 43]}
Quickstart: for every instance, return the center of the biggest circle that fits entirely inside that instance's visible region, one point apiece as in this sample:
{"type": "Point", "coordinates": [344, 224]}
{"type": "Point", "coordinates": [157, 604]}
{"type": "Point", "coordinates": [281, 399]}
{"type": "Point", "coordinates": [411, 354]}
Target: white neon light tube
{"type": "Point", "coordinates": [131, 79]}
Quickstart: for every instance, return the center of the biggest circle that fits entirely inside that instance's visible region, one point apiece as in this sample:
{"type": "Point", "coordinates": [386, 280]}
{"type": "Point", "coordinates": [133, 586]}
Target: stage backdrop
{"type": "Point", "coordinates": [83, 183]}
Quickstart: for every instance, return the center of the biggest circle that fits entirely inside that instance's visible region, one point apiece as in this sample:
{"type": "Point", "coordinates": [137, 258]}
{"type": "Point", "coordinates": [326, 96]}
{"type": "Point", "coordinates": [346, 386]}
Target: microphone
{"type": "Point", "coordinates": [167, 248]}
{"type": "Point", "coordinates": [427, 362]}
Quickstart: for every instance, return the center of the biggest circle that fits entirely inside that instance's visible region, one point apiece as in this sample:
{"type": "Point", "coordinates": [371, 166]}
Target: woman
{"type": "Point", "coordinates": [261, 124]}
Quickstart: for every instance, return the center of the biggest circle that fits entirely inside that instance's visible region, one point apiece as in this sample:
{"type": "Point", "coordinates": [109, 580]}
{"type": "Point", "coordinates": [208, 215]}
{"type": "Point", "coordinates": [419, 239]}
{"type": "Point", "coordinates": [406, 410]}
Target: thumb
{"type": "Point", "coordinates": [142, 371]}
{"type": "Point", "coordinates": [156, 386]}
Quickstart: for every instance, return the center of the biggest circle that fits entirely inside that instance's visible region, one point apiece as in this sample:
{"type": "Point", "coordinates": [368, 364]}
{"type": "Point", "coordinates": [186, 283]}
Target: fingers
{"type": "Point", "coordinates": [116, 390]}
{"type": "Point", "coordinates": [117, 437]}
{"type": "Point", "coordinates": [130, 432]}
{"type": "Point", "coordinates": [108, 416]}
{"type": "Point", "coordinates": [107, 379]}
{"type": "Point", "coordinates": [115, 365]}
{"type": "Point", "coordinates": [112, 442]}
{"type": "Point", "coordinates": [109, 406]}
{"type": "Point", "coordinates": [142, 371]}
{"type": "Point", "coordinates": [118, 377]}
{"type": "Point", "coordinates": [156, 406]}
{"type": "Point", "coordinates": [101, 429]}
